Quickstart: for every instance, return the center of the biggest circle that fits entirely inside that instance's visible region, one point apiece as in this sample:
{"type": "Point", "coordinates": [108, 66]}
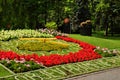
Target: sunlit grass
{"type": "Point", "coordinates": [4, 72]}
{"type": "Point", "coordinates": [109, 42]}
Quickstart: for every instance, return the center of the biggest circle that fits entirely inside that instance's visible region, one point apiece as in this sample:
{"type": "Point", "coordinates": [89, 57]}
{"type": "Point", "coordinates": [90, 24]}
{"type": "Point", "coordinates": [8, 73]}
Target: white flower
{"type": "Point", "coordinates": [115, 51]}
{"type": "Point", "coordinates": [16, 61]}
{"type": "Point", "coordinates": [109, 51]}
{"type": "Point", "coordinates": [8, 61]}
{"type": "Point", "coordinates": [22, 61]}
{"type": "Point", "coordinates": [19, 67]}
{"type": "Point", "coordinates": [98, 47]}
{"type": "Point", "coordinates": [104, 49]}
{"type": "Point", "coordinates": [27, 65]}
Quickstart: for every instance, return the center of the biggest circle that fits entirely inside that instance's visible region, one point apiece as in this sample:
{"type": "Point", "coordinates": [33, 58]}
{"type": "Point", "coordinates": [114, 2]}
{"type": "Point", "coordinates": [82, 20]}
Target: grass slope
{"type": "Point", "coordinates": [108, 42]}
{"type": "Point", "coordinates": [4, 72]}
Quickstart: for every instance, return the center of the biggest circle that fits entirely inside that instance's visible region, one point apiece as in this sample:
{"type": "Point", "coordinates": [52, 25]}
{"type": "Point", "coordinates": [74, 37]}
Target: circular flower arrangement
{"type": "Point", "coordinates": [19, 62]}
{"type": "Point", "coordinates": [40, 46]}
{"type": "Point", "coordinates": [25, 55]}
{"type": "Point", "coordinates": [12, 59]}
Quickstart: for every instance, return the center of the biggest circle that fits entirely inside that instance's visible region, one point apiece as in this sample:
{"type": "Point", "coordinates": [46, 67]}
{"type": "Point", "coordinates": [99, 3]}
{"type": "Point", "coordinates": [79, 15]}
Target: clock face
{"type": "Point", "coordinates": [66, 20]}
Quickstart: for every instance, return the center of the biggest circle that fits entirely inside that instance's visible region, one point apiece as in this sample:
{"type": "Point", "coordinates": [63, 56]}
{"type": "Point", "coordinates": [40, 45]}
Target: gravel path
{"type": "Point", "coordinates": [111, 74]}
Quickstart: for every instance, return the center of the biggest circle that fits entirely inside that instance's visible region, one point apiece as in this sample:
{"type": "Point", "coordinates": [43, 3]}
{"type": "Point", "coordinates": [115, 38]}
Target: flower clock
{"type": "Point", "coordinates": [21, 63]}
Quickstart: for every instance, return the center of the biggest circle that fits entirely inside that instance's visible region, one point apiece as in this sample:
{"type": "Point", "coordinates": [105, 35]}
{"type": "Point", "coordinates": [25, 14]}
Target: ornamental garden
{"type": "Point", "coordinates": [50, 55]}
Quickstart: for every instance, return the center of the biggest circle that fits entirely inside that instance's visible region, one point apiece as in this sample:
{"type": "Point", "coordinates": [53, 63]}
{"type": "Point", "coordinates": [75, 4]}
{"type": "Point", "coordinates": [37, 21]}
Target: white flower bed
{"type": "Point", "coordinates": [11, 34]}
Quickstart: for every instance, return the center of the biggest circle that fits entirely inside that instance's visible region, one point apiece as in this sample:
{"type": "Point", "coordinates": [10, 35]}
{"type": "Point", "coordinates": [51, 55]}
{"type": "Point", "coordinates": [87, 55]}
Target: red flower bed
{"type": "Point", "coordinates": [84, 45]}
{"type": "Point", "coordinates": [87, 53]}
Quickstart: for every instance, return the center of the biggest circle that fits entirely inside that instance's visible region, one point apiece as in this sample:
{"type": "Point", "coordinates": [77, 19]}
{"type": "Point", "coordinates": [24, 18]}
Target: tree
{"type": "Point", "coordinates": [104, 13]}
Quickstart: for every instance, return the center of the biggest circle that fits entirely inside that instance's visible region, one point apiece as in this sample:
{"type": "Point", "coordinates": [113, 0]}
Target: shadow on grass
{"type": "Point", "coordinates": [100, 34]}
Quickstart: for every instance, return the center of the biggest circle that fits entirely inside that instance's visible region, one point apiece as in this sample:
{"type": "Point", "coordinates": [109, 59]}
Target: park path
{"type": "Point", "coordinates": [110, 74]}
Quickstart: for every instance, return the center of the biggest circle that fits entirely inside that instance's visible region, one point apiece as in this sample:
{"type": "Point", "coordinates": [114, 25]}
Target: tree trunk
{"type": "Point", "coordinates": [106, 30]}
{"type": "Point", "coordinates": [106, 25]}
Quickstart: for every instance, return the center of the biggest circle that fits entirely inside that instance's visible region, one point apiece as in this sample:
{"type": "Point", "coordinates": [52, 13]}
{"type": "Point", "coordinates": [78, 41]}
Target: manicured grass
{"type": "Point", "coordinates": [4, 72]}
{"type": "Point", "coordinates": [102, 41]}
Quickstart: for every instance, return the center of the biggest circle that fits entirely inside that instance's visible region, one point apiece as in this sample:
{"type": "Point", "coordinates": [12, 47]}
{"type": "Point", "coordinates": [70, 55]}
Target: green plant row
{"type": "Point", "coordinates": [12, 34]}
{"type": "Point", "coordinates": [35, 45]}
{"type": "Point", "coordinates": [68, 70]}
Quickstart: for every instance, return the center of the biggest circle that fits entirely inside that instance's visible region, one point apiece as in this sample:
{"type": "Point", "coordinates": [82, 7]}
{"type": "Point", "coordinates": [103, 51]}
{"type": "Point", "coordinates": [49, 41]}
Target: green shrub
{"type": "Point", "coordinates": [42, 45]}
{"type": "Point", "coordinates": [51, 25]}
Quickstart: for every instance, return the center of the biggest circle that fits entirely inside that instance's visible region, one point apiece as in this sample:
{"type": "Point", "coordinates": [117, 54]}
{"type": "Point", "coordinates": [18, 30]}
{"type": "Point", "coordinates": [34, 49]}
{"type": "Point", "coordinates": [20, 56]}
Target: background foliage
{"type": "Point", "coordinates": [31, 13]}
{"type": "Point", "coordinates": [34, 14]}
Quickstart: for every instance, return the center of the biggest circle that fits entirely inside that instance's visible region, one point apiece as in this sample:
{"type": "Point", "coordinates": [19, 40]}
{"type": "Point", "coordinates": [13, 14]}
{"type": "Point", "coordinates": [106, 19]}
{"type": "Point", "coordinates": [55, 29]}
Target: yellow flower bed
{"type": "Point", "coordinates": [36, 45]}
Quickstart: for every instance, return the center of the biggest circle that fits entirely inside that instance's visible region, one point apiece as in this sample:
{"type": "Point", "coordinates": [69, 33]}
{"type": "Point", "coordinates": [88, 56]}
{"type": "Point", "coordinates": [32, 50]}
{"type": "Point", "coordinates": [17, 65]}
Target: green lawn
{"type": "Point", "coordinates": [102, 41]}
{"type": "Point", "coordinates": [4, 72]}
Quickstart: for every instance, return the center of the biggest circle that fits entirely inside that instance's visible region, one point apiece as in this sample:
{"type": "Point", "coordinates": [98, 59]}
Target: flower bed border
{"type": "Point", "coordinates": [85, 67]}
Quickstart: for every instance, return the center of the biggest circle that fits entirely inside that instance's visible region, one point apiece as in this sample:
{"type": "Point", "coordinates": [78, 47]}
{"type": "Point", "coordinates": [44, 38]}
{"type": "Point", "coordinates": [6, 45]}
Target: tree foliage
{"type": "Point", "coordinates": [21, 14]}
{"type": "Point", "coordinates": [30, 13]}
{"type": "Point", "coordinates": [106, 14]}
